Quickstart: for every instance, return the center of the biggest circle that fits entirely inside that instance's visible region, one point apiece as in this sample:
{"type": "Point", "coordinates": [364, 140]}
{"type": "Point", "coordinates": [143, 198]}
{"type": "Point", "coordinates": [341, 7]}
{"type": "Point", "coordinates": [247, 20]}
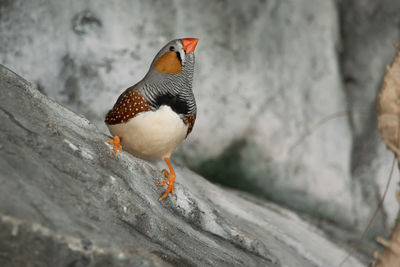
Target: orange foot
{"type": "Point", "coordinates": [116, 142]}
{"type": "Point", "coordinates": [170, 179]}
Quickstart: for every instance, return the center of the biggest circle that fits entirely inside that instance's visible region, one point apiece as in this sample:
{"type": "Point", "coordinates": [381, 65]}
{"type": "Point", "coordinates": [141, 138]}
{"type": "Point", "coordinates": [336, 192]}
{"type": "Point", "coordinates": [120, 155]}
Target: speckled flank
{"type": "Point", "coordinates": [128, 106]}
{"type": "Point", "coordinates": [190, 120]}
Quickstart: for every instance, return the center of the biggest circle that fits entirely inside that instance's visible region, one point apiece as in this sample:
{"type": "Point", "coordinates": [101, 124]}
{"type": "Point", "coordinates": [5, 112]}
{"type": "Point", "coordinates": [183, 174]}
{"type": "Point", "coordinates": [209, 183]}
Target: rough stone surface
{"type": "Point", "coordinates": [64, 194]}
{"type": "Point", "coordinates": [262, 82]}
{"type": "Point", "coordinates": [370, 30]}
{"type": "Point", "coordinates": [266, 73]}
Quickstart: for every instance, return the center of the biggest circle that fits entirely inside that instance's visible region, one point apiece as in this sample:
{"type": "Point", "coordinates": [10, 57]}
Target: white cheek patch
{"type": "Point", "coordinates": [181, 51]}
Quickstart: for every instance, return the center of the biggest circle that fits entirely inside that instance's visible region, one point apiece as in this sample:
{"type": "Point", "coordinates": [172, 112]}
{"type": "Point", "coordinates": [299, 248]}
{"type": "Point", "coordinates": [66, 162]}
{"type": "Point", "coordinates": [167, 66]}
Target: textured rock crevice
{"type": "Point", "coordinates": [266, 71]}
{"type": "Point", "coordinates": [63, 190]}
{"type": "Point", "coordinates": [369, 31]}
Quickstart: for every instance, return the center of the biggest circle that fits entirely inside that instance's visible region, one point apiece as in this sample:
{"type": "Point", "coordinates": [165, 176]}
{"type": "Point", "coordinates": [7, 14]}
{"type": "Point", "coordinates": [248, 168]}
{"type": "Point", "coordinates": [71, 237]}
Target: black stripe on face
{"type": "Point", "coordinates": [179, 56]}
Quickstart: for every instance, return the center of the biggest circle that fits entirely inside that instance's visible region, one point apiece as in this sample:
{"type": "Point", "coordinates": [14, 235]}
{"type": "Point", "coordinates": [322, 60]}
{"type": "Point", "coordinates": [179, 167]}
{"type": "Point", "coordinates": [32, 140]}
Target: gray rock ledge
{"type": "Point", "coordinates": [65, 200]}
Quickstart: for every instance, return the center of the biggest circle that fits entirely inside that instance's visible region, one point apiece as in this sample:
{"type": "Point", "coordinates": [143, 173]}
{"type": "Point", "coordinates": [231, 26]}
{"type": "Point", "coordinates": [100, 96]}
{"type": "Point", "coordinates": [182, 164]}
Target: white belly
{"type": "Point", "coordinates": [151, 134]}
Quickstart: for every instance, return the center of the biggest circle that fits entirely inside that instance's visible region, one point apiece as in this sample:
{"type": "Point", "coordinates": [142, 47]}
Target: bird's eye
{"type": "Point", "coordinates": [171, 48]}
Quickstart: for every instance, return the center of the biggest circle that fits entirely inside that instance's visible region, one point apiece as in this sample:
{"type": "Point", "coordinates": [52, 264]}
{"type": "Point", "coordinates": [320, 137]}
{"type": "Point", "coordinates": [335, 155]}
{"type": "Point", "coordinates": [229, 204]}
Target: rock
{"type": "Point", "coordinates": [64, 194]}
{"type": "Point", "coordinates": [267, 73]}
{"type": "Point", "coordinates": [370, 30]}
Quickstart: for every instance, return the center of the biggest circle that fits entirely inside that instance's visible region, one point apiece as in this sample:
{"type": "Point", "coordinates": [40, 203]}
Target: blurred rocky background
{"type": "Point", "coordinates": [267, 74]}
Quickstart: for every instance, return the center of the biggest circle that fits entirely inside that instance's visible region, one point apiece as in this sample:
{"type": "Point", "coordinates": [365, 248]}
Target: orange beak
{"type": "Point", "coordinates": [189, 44]}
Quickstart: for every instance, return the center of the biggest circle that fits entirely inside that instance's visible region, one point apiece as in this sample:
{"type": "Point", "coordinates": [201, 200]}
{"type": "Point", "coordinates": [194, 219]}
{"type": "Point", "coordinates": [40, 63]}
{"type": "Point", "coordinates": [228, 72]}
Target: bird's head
{"type": "Point", "coordinates": [176, 58]}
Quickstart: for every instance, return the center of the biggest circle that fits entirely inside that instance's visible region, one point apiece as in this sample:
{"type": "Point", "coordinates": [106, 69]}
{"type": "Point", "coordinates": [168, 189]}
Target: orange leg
{"type": "Point", "coordinates": [116, 142]}
{"type": "Point", "coordinates": [170, 179]}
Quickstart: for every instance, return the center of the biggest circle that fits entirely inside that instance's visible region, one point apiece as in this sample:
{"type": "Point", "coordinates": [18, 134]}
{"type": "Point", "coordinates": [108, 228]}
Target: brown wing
{"type": "Point", "coordinates": [128, 105]}
{"type": "Point", "coordinates": [189, 120]}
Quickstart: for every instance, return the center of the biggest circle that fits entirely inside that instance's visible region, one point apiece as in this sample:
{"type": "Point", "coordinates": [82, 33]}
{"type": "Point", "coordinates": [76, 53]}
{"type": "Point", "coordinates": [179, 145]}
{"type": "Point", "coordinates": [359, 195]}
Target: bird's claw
{"type": "Point", "coordinates": [170, 189]}
{"type": "Point", "coordinates": [170, 180]}
{"type": "Point", "coordinates": [116, 142]}
{"type": "Point", "coordinates": [165, 172]}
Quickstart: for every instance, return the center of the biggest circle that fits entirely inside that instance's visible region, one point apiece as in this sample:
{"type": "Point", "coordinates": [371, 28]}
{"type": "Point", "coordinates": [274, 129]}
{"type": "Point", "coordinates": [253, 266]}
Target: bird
{"type": "Point", "coordinates": [151, 118]}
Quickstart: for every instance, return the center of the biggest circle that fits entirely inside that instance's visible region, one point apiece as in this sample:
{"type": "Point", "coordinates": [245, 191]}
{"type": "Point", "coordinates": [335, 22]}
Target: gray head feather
{"type": "Point", "coordinates": [171, 89]}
